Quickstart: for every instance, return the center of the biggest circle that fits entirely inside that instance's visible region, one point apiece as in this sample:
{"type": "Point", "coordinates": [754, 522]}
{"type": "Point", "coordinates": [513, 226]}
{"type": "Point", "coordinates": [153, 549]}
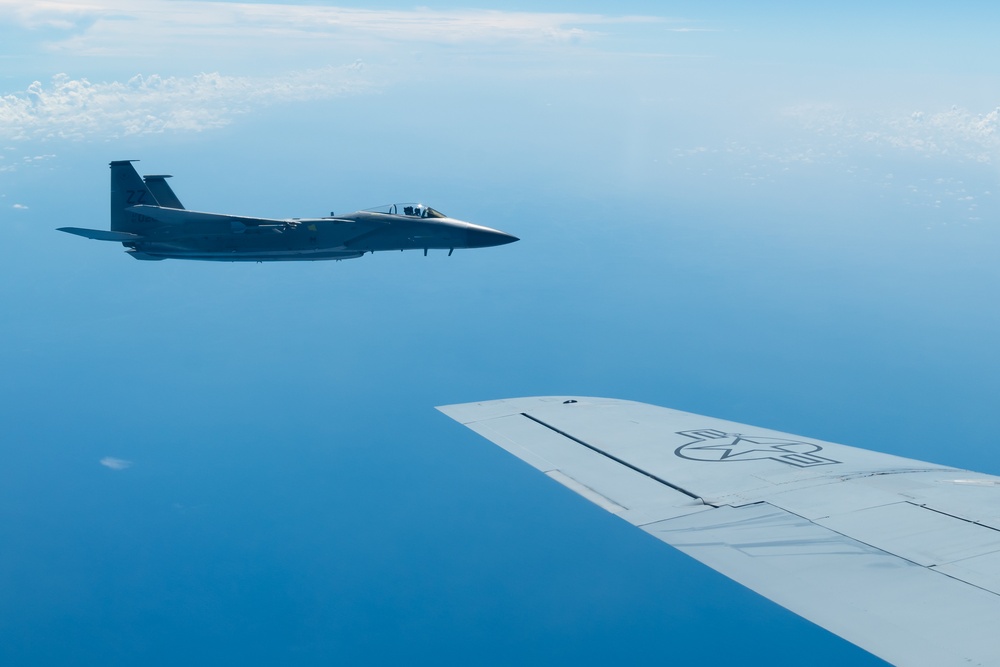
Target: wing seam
{"type": "Point", "coordinates": [934, 567]}
{"type": "Point", "coordinates": [953, 516]}
{"type": "Point", "coordinates": [614, 458]}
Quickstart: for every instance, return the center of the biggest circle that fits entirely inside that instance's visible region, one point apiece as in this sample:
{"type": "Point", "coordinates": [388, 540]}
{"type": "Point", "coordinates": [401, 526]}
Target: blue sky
{"type": "Point", "coordinates": [779, 216]}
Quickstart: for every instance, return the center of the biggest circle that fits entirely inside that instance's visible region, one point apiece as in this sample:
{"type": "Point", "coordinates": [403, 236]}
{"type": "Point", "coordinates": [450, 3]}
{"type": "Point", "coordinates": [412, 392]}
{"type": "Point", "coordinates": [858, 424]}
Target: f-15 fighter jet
{"type": "Point", "coordinates": [149, 220]}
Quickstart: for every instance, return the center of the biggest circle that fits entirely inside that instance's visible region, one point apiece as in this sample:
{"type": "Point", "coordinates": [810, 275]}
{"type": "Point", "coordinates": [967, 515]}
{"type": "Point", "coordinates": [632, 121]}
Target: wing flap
{"type": "Point", "coordinates": [896, 609]}
{"type": "Point", "coordinates": [916, 533]}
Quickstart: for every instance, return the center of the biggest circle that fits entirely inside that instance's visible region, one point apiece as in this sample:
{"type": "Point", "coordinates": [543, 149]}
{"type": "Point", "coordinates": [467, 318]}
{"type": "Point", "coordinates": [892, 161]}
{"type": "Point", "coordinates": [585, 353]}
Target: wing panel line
{"type": "Point", "coordinates": [954, 516]}
{"type": "Point", "coordinates": [614, 458]}
{"type": "Point", "coordinates": [883, 548]}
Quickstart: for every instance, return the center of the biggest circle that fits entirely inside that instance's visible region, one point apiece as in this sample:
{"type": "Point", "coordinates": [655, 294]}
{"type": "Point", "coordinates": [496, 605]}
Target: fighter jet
{"type": "Point", "coordinates": [150, 221]}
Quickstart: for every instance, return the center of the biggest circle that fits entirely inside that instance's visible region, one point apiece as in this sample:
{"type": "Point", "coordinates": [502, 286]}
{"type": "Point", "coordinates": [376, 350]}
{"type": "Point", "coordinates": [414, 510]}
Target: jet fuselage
{"type": "Point", "coordinates": [149, 220]}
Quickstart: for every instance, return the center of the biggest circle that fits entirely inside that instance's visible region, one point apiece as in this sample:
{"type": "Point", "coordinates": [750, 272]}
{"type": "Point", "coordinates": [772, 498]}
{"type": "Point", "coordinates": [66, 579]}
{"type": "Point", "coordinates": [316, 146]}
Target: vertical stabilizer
{"type": "Point", "coordinates": [127, 189]}
{"type": "Point", "coordinates": [157, 184]}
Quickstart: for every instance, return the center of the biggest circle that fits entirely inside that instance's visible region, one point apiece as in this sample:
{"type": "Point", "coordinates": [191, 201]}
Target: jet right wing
{"type": "Point", "coordinates": [898, 556]}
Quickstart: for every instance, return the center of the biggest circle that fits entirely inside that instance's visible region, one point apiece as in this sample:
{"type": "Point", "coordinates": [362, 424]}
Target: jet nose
{"type": "Point", "coordinates": [485, 237]}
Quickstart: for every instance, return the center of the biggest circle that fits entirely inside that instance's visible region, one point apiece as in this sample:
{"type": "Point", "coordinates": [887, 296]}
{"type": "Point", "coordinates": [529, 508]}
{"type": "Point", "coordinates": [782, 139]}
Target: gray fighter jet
{"type": "Point", "coordinates": [149, 220]}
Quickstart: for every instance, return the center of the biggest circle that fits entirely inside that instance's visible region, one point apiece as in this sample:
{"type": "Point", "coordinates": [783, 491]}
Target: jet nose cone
{"type": "Point", "coordinates": [485, 237]}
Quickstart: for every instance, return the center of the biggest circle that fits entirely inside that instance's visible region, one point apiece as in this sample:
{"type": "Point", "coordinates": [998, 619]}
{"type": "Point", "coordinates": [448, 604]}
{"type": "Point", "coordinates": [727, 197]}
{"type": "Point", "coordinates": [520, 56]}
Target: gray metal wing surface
{"type": "Point", "coordinates": [898, 556]}
{"type": "Point", "coordinates": [183, 216]}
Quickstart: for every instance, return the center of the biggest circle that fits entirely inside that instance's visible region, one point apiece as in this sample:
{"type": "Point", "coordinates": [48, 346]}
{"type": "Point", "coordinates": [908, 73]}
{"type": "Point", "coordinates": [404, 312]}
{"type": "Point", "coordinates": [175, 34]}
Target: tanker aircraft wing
{"type": "Point", "coordinates": [898, 556]}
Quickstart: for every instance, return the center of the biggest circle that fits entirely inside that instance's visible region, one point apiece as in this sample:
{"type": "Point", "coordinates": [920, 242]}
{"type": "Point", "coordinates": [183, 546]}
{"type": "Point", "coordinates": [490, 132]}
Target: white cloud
{"type": "Point", "coordinates": [20, 207]}
{"type": "Point", "coordinates": [129, 27]}
{"type": "Point", "coordinates": [170, 40]}
{"type": "Point", "coordinates": [51, 15]}
{"type": "Point", "coordinates": [115, 464]}
{"type": "Point", "coordinates": [955, 132]}
{"type": "Point", "coordinates": [78, 108]}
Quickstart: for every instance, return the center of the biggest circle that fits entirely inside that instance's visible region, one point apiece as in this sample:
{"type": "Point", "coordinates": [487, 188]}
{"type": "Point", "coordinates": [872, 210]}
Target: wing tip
{"type": "Point", "coordinates": [467, 413]}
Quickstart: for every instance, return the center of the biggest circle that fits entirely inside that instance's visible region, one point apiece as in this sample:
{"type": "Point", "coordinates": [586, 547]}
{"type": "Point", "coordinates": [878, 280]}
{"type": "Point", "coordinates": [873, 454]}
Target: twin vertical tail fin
{"type": "Point", "coordinates": [165, 197]}
{"type": "Point", "coordinates": [128, 189]}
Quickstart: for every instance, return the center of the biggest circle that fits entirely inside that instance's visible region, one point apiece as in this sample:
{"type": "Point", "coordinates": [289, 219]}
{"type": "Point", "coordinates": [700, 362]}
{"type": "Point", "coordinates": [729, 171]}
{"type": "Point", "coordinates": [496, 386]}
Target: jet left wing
{"type": "Point", "coordinates": [898, 556]}
{"type": "Point", "coordinates": [237, 223]}
{"type": "Point", "coordinates": [181, 216]}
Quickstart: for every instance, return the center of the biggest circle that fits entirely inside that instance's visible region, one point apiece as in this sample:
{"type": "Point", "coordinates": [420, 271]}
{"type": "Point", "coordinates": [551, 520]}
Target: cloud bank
{"type": "Point", "coordinates": [77, 108]}
{"type": "Point", "coordinates": [140, 26]}
{"type": "Point", "coordinates": [253, 53]}
{"type": "Point", "coordinates": [955, 132]}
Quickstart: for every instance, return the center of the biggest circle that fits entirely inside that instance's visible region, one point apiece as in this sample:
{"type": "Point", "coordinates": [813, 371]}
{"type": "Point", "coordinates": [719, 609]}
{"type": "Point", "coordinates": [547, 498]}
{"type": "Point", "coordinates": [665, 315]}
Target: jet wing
{"type": "Point", "coordinates": [183, 216]}
{"type": "Point", "coordinates": [898, 556]}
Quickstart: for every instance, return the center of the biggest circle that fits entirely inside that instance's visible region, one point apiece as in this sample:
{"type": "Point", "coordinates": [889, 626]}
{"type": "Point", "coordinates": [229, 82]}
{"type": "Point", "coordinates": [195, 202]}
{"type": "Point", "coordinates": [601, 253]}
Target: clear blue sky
{"type": "Point", "coordinates": [783, 217]}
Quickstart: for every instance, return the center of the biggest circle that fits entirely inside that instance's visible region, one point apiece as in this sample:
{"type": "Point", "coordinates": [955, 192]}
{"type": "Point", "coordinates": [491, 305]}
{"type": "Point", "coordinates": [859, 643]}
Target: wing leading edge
{"type": "Point", "coordinates": [898, 556]}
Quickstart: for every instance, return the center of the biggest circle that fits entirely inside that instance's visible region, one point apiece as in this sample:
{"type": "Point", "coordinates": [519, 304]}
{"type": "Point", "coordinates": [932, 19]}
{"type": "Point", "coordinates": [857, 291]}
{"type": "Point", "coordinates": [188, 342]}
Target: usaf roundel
{"type": "Point", "coordinates": [714, 445]}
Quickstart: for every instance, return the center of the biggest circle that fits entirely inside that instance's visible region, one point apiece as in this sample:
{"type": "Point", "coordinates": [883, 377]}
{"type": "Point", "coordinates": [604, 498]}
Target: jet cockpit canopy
{"type": "Point", "coordinates": [408, 209]}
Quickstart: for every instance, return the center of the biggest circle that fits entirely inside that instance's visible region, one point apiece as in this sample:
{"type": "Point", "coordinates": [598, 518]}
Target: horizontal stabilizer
{"type": "Point", "coordinates": [144, 256]}
{"type": "Point", "coordinates": [100, 234]}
